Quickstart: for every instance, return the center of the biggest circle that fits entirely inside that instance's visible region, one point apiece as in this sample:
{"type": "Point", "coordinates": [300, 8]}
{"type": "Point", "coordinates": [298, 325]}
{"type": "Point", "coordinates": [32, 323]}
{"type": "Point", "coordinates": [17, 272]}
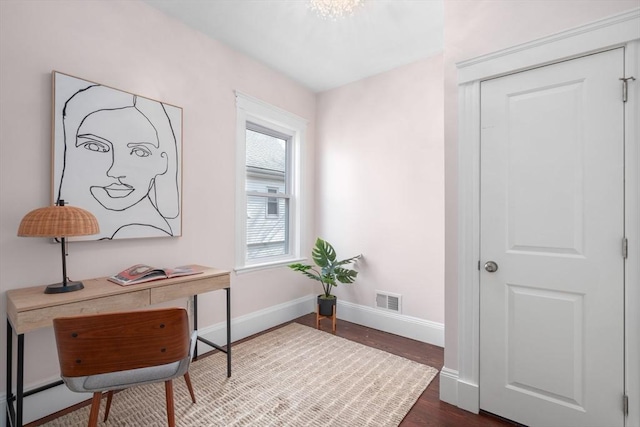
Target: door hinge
{"type": "Point", "coordinates": [625, 405]}
{"type": "Point", "coordinates": [625, 247]}
{"type": "Point", "coordinates": [625, 87]}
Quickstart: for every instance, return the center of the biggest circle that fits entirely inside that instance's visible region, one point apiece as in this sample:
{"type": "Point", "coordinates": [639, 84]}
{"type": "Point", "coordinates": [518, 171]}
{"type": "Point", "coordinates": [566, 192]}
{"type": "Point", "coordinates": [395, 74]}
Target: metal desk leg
{"type": "Point", "coordinates": [10, 419]}
{"type": "Point", "coordinates": [209, 343]}
{"type": "Point", "coordinates": [228, 332]}
{"type": "Point", "coordinates": [15, 410]}
{"type": "Point", "coordinates": [14, 414]}
{"type": "Point", "coordinates": [20, 381]}
{"type": "Point", "coordinates": [212, 344]}
{"type": "Point", "coordinates": [195, 322]}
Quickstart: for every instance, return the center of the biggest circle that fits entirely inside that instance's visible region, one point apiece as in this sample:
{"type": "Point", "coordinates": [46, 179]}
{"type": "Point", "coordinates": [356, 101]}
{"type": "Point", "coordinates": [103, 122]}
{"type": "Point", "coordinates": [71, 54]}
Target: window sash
{"type": "Point", "coordinates": [272, 239]}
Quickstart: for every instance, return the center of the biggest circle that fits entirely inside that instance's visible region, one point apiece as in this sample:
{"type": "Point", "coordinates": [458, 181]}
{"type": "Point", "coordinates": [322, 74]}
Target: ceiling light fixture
{"type": "Point", "coordinates": [334, 9]}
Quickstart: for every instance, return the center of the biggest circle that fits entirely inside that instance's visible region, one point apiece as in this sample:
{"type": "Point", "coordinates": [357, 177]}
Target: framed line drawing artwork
{"type": "Point", "coordinates": [119, 156]}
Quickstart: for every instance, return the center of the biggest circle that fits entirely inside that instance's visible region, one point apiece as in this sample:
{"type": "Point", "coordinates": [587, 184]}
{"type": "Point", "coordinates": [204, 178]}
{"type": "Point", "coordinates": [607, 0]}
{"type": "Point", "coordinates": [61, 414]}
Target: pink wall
{"type": "Point", "coordinates": [477, 27]}
{"type": "Point", "coordinates": [133, 47]}
{"type": "Point", "coordinates": [380, 187]}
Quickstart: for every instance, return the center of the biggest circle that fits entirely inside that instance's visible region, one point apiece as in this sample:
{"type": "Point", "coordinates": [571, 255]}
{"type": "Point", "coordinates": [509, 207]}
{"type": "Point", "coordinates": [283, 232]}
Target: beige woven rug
{"type": "Point", "coordinates": [292, 376]}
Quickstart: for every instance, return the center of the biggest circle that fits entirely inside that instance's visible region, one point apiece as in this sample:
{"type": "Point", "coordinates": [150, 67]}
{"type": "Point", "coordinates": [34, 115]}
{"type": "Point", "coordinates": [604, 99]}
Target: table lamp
{"type": "Point", "coordinates": [59, 221]}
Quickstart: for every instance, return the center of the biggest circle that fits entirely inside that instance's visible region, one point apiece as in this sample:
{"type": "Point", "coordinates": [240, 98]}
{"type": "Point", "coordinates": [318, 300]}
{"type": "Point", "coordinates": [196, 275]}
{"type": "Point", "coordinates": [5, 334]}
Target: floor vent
{"type": "Point", "coordinates": [388, 301]}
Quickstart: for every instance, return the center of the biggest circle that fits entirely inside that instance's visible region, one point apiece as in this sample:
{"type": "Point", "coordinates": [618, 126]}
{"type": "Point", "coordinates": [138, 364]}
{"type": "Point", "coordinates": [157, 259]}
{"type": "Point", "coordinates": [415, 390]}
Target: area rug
{"type": "Point", "coordinates": [291, 376]}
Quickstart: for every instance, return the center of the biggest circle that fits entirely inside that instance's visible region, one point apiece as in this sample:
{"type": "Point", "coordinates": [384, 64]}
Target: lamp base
{"type": "Point", "coordinates": [59, 288]}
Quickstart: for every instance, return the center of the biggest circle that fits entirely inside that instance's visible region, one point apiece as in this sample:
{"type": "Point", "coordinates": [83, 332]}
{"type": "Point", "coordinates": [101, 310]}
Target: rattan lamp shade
{"type": "Point", "coordinates": [58, 221]}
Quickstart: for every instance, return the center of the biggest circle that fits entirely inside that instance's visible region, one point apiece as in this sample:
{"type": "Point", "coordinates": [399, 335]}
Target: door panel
{"type": "Point", "coordinates": [546, 177]}
{"type": "Point", "coordinates": [551, 316]}
{"type": "Point", "coordinates": [530, 336]}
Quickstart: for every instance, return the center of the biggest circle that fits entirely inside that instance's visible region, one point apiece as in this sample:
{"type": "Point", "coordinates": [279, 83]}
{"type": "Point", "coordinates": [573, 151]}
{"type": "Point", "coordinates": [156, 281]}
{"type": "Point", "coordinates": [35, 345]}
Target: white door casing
{"type": "Point", "coordinates": [461, 383]}
{"type": "Point", "coordinates": [551, 217]}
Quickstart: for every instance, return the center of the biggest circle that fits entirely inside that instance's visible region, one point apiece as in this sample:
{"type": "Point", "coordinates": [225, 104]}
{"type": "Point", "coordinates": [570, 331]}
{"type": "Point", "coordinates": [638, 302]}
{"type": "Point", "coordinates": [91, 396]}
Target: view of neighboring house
{"type": "Point", "coordinates": [266, 215]}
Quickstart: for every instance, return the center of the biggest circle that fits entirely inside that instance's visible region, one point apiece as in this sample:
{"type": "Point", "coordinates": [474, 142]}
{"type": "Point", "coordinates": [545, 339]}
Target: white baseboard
{"type": "Point", "coordinates": [457, 392]}
{"type": "Point", "coordinates": [449, 386]}
{"type": "Point", "coordinates": [398, 324]}
{"type": "Point", "coordinates": [468, 396]}
{"type": "Point", "coordinates": [405, 326]}
{"type": "Point", "coordinates": [258, 321]}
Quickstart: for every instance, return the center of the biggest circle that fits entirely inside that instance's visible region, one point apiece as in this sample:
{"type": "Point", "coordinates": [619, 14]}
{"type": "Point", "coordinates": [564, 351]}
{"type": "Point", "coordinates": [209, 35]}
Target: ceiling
{"type": "Point", "coordinates": [319, 53]}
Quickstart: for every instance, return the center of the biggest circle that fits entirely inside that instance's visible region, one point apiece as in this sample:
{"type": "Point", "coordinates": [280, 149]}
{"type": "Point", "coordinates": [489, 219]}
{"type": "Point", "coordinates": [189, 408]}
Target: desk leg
{"type": "Point", "coordinates": [14, 415]}
{"type": "Point", "coordinates": [20, 381]}
{"type": "Point", "coordinates": [228, 332]}
{"type": "Point", "coordinates": [214, 345]}
{"type": "Point", "coordinates": [195, 322]}
{"type": "Point", "coordinates": [10, 419]}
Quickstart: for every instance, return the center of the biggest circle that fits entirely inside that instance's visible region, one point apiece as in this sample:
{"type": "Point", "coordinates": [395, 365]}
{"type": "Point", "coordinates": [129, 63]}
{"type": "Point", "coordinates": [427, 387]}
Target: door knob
{"type": "Point", "coordinates": [491, 266]}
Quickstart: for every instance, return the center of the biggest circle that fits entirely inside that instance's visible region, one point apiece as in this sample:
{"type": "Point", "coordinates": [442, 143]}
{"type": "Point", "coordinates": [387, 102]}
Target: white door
{"type": "Point", "coordinates": [551, 315]}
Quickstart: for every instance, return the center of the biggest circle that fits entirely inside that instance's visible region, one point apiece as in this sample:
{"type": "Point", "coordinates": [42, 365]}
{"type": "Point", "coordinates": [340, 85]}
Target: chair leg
{"type": "Point", "coordinates": [95, 409]}
{"type": "Point", "coordinates": [187, 379]}
{"type": "Point", "coordinates": [171, 416]}
{"type": "Point", "coordinates": [106, 411]}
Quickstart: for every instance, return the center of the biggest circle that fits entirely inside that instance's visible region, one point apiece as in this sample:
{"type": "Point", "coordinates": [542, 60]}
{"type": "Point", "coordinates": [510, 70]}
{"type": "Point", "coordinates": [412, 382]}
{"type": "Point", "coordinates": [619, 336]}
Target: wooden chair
{"type": "Point", "coordinates": [113, 351]}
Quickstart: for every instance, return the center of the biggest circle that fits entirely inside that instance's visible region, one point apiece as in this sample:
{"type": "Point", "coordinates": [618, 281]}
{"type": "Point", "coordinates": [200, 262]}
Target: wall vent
{"type": "Point", "coordinates": [389, 301]}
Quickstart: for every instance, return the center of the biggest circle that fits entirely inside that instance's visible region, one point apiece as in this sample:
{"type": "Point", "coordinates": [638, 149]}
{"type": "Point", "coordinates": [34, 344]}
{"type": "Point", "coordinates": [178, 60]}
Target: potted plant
{"type": "Point", "coordinates": [328, 271]}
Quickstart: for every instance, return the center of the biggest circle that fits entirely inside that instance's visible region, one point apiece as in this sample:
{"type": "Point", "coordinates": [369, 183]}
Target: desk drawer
{"type": "Point", "coordinates": [189, 288]}
{"type": "Point", "coordinates": [26, 321]}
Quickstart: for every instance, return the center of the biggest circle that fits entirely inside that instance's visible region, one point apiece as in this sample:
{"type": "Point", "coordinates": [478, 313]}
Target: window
{"type": "Point", "coordinates": [272, 203]}
{"type": "Point", "coordinates": [269, 143]}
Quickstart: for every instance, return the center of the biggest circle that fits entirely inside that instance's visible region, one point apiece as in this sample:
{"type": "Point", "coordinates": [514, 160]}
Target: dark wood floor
{"type": "Point", "coordinates": [428, 410]}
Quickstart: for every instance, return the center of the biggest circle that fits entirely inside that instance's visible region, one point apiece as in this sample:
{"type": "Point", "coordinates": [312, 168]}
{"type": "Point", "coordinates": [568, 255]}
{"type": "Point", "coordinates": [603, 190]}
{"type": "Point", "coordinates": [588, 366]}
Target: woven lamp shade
{"type": "Point", "coordinates": [58, 221]}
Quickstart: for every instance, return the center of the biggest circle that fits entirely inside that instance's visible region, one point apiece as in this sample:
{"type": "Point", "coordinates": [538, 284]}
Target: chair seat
{"type": "Point", "coordinates": [125, 379]}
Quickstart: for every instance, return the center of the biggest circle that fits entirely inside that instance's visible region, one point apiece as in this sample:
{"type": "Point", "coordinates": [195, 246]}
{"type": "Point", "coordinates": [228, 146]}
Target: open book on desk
{"type": "Point", "coordinates": [141, 273]}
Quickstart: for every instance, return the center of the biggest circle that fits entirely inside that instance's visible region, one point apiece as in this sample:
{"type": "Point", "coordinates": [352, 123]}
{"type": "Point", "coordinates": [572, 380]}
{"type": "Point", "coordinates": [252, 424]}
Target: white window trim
{"type": "Point", "coordinates": [250, 109]}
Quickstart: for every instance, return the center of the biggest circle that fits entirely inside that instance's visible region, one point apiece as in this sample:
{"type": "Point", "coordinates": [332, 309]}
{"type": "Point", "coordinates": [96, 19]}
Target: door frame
{"type": "Point", "coordinates": [616, 31]}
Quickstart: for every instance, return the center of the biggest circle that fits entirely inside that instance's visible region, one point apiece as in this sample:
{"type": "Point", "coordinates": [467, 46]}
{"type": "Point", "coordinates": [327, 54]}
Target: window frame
{"type": "Point", "coordinates": [252, 112]}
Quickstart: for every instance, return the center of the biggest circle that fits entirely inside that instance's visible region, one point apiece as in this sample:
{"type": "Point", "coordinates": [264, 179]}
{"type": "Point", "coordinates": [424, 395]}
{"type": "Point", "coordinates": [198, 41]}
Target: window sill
{"type": "Point", "coordinates": [266, 265]}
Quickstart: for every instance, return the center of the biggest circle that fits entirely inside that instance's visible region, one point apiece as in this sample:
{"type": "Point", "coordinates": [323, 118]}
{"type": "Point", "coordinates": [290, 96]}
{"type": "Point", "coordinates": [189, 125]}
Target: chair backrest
{"type": "Point", "coordinates": [111, 342]}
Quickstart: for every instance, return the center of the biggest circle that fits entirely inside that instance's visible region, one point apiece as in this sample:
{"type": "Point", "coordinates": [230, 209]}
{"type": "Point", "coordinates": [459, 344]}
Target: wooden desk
{"type": "Point", "coordinates": [29, 309]}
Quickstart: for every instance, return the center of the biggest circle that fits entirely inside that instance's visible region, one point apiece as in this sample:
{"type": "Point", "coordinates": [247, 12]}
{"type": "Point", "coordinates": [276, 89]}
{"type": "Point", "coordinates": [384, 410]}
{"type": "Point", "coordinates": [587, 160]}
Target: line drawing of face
{"type": "Point", "coordinates": [132, 153]}
{"type": "Point", "coordinates": [120, 162]}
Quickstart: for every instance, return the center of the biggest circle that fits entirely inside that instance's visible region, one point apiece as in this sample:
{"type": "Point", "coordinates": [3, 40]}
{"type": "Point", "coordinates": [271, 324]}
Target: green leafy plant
{"type": "Point", "coordinates": [328, 270]}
